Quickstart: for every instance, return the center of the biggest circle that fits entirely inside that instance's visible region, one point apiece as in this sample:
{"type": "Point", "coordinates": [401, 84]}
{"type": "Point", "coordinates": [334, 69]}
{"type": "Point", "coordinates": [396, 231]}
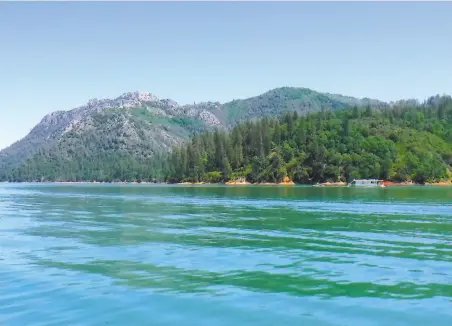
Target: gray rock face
{"type": "Point", "coordinates": [126, 100]}
{"type": "Point", "coordinates": [54, 125]}
{"type": "Point", "coordinates": [209, 118]}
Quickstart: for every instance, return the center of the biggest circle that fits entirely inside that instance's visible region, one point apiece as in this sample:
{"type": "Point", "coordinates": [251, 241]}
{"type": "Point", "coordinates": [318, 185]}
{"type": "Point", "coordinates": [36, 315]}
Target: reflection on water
{"type": "Point", "coordinates": [215, 255]}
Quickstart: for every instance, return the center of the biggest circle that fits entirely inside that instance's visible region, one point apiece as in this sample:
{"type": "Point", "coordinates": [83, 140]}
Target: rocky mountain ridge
{"type": "Point", "coordinates": [54, 125]}
{"type": "Point", "coordinates": [139, 123]}
{"type": "Point", "coordinates": [165, 107]}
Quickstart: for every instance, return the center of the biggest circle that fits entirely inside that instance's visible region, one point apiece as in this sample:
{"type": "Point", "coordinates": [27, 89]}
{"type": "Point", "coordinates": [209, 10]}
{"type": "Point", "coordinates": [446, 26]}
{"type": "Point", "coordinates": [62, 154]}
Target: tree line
{"type": "Point", "coordinates": [399, 143]}
{"type": "Point", "coordinates": [408, 141]}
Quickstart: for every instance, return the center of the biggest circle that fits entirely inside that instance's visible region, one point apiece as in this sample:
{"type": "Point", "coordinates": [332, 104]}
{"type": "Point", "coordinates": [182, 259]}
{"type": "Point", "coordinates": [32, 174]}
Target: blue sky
{"type": "Point", "coordinates": [56, 56]}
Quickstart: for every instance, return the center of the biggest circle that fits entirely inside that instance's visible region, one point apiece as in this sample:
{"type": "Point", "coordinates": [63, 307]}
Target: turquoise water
{"type": "Point", "coordinates": [216, 255]}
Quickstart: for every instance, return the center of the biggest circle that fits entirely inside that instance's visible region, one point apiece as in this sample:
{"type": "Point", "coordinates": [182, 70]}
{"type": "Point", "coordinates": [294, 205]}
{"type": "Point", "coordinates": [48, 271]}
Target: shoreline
{"type": "Point", "coordinates": [331, 184]}
{"type": "Point", "coordinates": [241, 183]}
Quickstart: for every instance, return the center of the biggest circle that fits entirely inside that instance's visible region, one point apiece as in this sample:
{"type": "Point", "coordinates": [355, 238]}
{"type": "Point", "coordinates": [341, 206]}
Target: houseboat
{"type": "Point", "coordinates": [367, 183]}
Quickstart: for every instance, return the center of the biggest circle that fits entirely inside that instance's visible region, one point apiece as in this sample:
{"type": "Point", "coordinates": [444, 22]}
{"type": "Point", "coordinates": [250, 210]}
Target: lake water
{"type": "Point", "coordinates": [217, 255]}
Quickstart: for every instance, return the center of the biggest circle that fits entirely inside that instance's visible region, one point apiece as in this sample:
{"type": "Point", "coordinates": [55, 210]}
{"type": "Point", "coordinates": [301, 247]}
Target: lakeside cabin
{"type": "Point", "coordinates": [367, 183]}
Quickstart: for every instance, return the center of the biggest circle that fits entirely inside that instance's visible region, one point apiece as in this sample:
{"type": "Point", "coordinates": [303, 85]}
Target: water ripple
{"type": "Point", "coordinates": [124, 255]}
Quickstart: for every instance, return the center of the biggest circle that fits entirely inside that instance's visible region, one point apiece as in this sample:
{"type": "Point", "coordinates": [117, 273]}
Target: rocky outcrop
{"type": "Point", "coordinates": [238, 181]}
{"type": "Point", "coordinates": [286, 181]}
{"type": "Point", "coordinates": [55, 125]}
{"type": "Point", "coordinates": [126, 100]}
{"type": "Point", "coordinates": [209, 118]}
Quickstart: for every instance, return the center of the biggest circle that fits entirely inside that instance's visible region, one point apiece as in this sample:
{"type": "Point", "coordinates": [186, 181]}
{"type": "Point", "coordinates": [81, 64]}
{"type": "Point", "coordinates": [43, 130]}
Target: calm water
{"type": "Point", "coordinates": [211, 255]}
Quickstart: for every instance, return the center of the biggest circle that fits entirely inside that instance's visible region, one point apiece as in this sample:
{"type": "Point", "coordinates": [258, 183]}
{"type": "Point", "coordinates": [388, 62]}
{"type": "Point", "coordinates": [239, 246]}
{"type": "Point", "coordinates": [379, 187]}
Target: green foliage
{"type": "Point", "coordinates": [214, 177]}
{"type": "Point", "coordinates": [401, 143]}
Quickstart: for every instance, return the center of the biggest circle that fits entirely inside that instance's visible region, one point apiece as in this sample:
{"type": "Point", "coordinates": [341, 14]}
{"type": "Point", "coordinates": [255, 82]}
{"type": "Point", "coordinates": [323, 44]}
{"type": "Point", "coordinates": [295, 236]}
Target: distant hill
{"type": "Point", "coordinates": [289, 99]}
{"type": "Point", "coordinates": [136, 126]}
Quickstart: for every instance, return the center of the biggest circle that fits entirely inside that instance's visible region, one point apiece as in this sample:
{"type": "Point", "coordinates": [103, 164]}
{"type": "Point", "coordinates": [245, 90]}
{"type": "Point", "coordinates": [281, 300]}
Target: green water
{"type": "Point", "coordinates": [213, 255]}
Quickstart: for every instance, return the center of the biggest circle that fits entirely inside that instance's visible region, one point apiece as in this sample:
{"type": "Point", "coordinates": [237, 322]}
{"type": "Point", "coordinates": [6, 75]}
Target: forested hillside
{"type": "Point", "coordinates": [404, 142]}
{"type": "Point", "coordinates": [112, 145]}
{"type": "Point", "coordinates": [289, 99]}
{"type": "Point", "coordinates": [125, 138]}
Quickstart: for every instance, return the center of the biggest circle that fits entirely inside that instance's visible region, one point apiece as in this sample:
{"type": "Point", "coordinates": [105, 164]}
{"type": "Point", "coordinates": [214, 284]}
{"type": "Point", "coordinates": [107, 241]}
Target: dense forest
{"type": "Point", "coordinates": [102, 167]}
{"type": "Point", "coordinates": [400, 143]}
{"type": "Point", "coordinates": [405, 141]}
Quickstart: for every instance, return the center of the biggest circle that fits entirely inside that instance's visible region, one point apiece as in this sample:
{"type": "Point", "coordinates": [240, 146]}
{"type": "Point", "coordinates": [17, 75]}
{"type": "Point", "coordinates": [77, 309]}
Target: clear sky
{"type": "Point", "coordinates": [56, 56]}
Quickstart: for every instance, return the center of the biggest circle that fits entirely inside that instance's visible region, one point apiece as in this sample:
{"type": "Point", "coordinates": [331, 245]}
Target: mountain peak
{"type": "Point", "coordinates": [126, 100]}
{"type": "Point", "coordinates": [138, 96]}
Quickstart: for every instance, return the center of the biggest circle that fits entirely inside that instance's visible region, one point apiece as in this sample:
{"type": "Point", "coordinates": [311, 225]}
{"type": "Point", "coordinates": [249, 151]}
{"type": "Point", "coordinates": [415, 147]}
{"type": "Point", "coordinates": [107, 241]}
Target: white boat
{"type": "Point", "coordinates": [366, 183]}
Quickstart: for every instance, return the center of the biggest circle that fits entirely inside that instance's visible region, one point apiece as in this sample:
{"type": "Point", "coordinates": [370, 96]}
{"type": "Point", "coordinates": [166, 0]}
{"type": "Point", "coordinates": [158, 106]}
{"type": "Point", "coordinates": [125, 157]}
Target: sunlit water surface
{"type": "Point", "coordinates": [216, 255]}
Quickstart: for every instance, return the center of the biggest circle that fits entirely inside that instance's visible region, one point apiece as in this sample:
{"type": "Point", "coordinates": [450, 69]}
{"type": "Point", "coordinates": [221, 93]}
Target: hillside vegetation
{"type": "Point", "coordinates": [404, 142]}
{"type": "Point", "coordinates": [114, 145]}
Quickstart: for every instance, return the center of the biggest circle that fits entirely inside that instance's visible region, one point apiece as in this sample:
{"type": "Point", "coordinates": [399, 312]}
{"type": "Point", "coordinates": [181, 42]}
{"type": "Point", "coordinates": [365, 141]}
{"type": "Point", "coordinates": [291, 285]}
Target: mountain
{"type": "Point", "coordinates": [133, 118]}
{"type": "Point", "coordinates": [136, 126]}
{"type": "Point", "coordinates": [290, 99]}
